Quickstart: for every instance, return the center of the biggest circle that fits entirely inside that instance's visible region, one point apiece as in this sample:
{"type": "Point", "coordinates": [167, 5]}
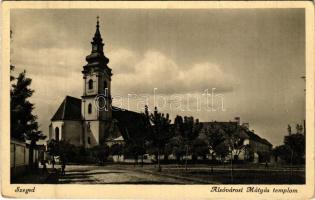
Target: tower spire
{"type": "Point", "coordinates": [97, 32]}
{"type": "Point", "coordinates": [97, 44]}
{"type": "Point", "coordinates": [97, 53]}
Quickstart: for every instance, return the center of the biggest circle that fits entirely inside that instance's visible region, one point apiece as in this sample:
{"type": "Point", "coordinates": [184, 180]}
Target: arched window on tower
{"type": "Point", "coordinates": [90, 84]}
{"type": "Point", "coordinates": [57, 134]}
{"type": "Point", "coordinates": [90, 108]}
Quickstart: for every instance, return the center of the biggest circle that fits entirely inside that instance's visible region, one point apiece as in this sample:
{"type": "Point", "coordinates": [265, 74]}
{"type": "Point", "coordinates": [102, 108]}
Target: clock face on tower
{"type": "Point", "coordinates": [94, 47]}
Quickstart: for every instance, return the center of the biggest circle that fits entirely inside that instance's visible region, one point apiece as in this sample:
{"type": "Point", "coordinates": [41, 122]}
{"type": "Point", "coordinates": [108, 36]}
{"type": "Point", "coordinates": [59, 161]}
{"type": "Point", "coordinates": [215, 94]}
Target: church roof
{"type": "Point", "coordinates": [70, 109]}
{"type": "Point", "coordinates": [132, 125]}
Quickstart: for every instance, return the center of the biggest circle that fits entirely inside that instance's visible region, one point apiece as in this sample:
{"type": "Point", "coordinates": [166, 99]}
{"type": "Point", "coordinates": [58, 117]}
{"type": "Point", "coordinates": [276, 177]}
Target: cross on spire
{"type": "Point", "coordinates": [97, 45]}
{"type": "Point", "coordinates": [97, 57]}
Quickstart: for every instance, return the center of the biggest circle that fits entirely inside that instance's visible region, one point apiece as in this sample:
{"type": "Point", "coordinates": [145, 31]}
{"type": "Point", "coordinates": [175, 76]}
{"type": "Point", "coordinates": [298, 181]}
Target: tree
{"type": "Point", "coordinates": [235, 142]}
{"type": "Point", "coordinates": [116, 149]}
{"type": "Point", "coordinates": [101, 153]}
{"type": "Point", "coordinates": [296, 144]}
{"type": "Point", "coordinates": [160, 132]}
{"type": "Point", "coordinates": [289, 129]}
{"type": "Point", "coordinates": [135, 145]}
{"type": "Point", "coordinates": [200, 148]}
{"type": "Point", "coordinates": [299, 128]}
{"type": "Point", "coordinates": [222, 150]}
{"type": "Point", "coordinates": [11, 66]}
{"type": "Point", "coordinates": [176, 147]}
{"type": "Point", "coordinates": [283, 152]}
{"type": "Point", "coordinates": [293, 149]}
{"type": "Point", "coordinates": [23, 123]}
{"type": "Point", "coordinates": [189, 131]}
{"type": "Point", "coordinates": [215, 136]}
{"type": "Point", "coordinates": [22, 119]}
{"type": "Point", "coordinates": [135, 150]}
{"type": "Point", "coordinates": [33, 137]}
{"type": "Point", "coordinates": [62, 149]}
{"type": "Point", "coordinates": [12, 78]}
{"type": "Point", "coordinates": [53, 148]}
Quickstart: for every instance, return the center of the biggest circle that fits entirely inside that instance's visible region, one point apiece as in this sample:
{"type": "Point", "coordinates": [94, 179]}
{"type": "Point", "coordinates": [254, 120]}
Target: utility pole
{"type": "Point", "coordinates": [304, 126]}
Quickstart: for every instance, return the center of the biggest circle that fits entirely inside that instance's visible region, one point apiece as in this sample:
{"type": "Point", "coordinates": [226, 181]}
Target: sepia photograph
{"type": "Point", "coordinates": [159, 96]}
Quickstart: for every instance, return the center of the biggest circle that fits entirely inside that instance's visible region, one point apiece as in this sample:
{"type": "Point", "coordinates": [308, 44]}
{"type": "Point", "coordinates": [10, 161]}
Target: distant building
{"type": "Point", "coordinates": [255, 148]}
{"type": "Point", "coordinates": [79, 120]}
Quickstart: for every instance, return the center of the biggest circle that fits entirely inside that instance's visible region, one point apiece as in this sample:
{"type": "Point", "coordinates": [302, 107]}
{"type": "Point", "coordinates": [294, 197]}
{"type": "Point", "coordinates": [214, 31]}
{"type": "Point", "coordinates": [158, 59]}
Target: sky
{"type": "Point", "coordinates": [214, 65]}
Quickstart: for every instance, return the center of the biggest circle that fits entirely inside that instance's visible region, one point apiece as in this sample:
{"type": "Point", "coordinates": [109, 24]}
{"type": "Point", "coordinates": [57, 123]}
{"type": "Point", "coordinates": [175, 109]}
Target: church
{"type": "Point", "coordinates": [92, 120]}
{"type": "Point", "coordinates": [87, 122]}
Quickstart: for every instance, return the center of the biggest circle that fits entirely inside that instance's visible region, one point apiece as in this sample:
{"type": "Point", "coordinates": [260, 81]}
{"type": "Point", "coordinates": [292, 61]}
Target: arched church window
{"type": "Point", "coordinates": [57, 133]}
{"type": "Point", "coordinates": [90, 108]}
{"type": "Point", "coordinates": [90, 84]}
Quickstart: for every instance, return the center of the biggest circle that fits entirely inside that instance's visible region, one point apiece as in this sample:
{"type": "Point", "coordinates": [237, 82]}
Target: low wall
{"type": "Point", "coordinates": [19, 158]}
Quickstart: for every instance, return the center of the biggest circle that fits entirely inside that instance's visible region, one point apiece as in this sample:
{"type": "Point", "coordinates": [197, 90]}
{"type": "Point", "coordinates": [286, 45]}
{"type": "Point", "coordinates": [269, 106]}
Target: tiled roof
{"type": "Point", "coordinates": [256, 137]}
{"type": "Point", "coordinates": [245, 132]}
{"type": "Point", "coordinates": [70, 109]}
{"type": "Point", "coordinates": [206, 125]}
{"type": "Point", "coordinates": [131, 124]}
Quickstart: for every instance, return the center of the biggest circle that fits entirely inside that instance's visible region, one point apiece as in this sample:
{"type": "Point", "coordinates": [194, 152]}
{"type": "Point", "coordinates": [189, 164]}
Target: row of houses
{"type": "Point", "coordinates": [254, 148]}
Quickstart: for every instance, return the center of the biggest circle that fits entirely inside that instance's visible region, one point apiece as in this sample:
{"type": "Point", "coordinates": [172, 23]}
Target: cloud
{"type": "Point", "coordinates": [50, 61]}
{"type": "Point", "coordinates": [47, 35]}
{"type": "Point", "coordinates": [156, 70]}
{"type": "Point", "coordinates": [122, 60]}
{"type": "Point", "coordinates": [49, 93]}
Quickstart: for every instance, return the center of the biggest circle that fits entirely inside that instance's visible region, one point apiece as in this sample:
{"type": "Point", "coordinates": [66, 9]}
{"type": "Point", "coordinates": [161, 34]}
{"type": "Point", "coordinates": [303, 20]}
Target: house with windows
{"type": "Point", "coordinates": [252, 147]}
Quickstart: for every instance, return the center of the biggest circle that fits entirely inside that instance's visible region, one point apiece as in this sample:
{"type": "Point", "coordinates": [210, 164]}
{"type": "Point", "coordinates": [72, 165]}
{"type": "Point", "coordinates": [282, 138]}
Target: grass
{"type": "Point", "coordinates": [242, 176]}
{"type": "Point", "coordinates": [242, 173]}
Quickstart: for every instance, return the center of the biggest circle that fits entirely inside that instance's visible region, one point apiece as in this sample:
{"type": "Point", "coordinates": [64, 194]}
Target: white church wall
{"type": "Point", "coordinates": [86, 114]}
{"type": "Point", "coordinates": [54, 125]}
{"type": "Point", "coordinates": [95, 84]}
{"type": "Point", "coordinates": [92, 133]}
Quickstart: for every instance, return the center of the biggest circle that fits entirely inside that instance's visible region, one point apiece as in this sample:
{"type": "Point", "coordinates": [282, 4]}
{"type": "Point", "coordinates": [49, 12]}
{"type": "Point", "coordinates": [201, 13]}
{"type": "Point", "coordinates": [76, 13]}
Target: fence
{"type": "Point", "coordinates": [19, 157]}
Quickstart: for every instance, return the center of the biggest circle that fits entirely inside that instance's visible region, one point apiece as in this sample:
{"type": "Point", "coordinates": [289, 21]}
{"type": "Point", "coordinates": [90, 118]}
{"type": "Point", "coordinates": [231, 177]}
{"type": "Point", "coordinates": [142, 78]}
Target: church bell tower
{"type": "Point", "coordinates": [96, 98]}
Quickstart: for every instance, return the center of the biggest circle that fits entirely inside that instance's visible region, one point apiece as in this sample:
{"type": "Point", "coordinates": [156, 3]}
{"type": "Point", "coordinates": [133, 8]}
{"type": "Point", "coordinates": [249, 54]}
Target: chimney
{"type": "Point", "coordinates": [238, 120]}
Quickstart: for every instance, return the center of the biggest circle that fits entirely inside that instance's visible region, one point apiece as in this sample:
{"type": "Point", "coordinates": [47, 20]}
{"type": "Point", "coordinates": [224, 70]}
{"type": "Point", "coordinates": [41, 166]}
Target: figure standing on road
{"type": "Point", "coordinates": [44, 166]}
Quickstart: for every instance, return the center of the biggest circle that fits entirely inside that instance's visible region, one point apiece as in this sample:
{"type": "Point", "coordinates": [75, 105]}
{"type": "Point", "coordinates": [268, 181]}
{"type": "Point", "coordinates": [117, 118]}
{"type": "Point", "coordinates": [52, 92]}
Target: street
{"type": "Point", "coordinates": [170, 174]}
{"type": "Point", "coordinates": [109, 175]}
{"type": "Point", "coordinates": [130, 174]}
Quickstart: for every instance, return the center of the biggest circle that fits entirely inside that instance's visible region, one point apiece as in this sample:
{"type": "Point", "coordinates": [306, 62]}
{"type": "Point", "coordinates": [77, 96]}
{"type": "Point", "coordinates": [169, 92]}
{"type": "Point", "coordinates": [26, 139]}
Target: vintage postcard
{"type": "Point", "coordinates": [157, 100]}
